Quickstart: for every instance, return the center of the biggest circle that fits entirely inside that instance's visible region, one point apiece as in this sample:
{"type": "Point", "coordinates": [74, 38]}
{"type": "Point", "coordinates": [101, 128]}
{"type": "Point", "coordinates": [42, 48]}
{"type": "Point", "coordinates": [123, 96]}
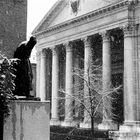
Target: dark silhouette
{"type": "Point", "coordinates": [24, 75]}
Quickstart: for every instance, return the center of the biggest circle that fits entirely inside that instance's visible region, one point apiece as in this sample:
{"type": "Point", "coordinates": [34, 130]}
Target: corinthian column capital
{"type": "Point", "coordinates": [43, 53]}
{"type": "Point", "coordinates": [105, 36]}
{"type": "Point", "coordinates": [54, 50]}
{"type": "Point", "coordinates": [68, 46]}
{"type": "Point", "coordinates": [87, 41]}
{"type": "Point", "coordinates": [128, 30]}
{"type": "Point", "coordinates": [38, 55]}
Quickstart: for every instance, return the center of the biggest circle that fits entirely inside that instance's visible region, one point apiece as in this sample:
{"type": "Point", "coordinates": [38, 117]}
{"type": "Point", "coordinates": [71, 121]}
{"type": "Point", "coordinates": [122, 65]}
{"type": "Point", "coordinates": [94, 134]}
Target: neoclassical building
{"type": "Point", "coordinates": [73, 29]}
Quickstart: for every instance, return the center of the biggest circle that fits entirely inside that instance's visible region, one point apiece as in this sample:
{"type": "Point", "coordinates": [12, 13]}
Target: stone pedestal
{"type": "Point", "coordinates": [28, 120]}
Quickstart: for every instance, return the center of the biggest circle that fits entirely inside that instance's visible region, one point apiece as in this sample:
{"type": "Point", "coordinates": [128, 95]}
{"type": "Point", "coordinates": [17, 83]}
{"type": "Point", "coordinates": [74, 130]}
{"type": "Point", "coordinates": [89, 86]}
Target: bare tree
{"type": "Point", "coordinates": [88, 95]}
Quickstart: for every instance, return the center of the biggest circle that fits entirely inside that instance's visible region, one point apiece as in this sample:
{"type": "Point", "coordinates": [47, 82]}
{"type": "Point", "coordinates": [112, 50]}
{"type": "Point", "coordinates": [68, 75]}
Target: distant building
{"type": "Point", "coordinates": [13, 24]}
{"type": "Point", "coordinates": [33, 56]}
{"type": "Point", "coordinates": [33, 62]}
{"type": "Point", "coordinates": [69, 31]}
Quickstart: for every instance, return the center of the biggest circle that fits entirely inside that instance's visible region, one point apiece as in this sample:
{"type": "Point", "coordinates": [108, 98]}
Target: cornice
{"type": "Point", "coordinates": [99, 12]}
{"type": "Point", "coordinates": [81, 34]}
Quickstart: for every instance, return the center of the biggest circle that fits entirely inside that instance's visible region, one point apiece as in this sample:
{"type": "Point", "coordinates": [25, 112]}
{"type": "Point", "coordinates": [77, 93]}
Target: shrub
{"type": "Point", "coordinates": [6, 85]}
{"type": "Point", "coordinates": [72, 133]}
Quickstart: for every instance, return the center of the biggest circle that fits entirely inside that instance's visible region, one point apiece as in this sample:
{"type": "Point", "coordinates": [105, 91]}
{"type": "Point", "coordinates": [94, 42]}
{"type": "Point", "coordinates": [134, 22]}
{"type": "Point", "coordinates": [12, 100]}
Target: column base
{"type": "Point", "coordinates": [132, 123]}
{"type": "Point", "coordinates": [85, 125]}
{"type": "Point", "coordinates": [54, 122]}
{"type": "Point", "coordinates": [69, 122]}
{"type": "Point", "coordinates": [108, 125]}
{"type": "Point", "coordinates": [129, 131]}
{"type": "Point", "coordinates": [130, 126]}
{"type": "Point", "coordinates": [88, 125]}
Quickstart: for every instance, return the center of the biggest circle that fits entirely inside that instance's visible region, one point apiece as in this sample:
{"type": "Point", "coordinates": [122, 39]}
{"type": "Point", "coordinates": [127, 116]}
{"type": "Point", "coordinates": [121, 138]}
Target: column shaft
{"type": "Point", "coordinates": [38, 75]}
{"type": "Point", "coordinates": [129, 111]}
{"type": "Point", "coordinates": [55, 85]}
{"type": "Point", "coordinates": [131, 94]}
{"type": "Point", "coordinates": [69, 83]}
{"type": "Point", "coordinates": [42, 85]}
{"type": "Point", "coordinates": [106, 75]}
{"type": "Point", "coordinates": [87, 63]}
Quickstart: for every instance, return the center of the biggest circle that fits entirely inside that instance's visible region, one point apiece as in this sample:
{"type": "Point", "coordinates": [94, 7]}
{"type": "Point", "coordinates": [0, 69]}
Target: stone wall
{"type": "Point", "coordinates": [28, 120]}
{"type": "Point", "coordinates": [13, 15]}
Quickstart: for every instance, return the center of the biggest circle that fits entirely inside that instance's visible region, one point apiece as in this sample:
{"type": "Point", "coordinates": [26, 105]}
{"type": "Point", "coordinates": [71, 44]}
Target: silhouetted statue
{"type": "Point", "coordinates": [24, 75]}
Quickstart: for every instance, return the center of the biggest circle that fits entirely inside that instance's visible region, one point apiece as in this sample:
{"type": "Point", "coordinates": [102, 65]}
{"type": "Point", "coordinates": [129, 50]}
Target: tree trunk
{"type": "Point", "coordinates": [92, 128]}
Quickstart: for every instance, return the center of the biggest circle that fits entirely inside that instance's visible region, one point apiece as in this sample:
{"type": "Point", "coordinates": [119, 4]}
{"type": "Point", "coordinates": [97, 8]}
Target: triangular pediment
{"type": "Point", "coordinates": [62, 12]}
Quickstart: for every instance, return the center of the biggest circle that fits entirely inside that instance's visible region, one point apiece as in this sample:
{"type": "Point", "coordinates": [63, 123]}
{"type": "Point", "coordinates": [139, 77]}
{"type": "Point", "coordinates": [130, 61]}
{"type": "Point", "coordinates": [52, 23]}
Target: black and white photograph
{"type": "Point", "coordinates": [69, 70]}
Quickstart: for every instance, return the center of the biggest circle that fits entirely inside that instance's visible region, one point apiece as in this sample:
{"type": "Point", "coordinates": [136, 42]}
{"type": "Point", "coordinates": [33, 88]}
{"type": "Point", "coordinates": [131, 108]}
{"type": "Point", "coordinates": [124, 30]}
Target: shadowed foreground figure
{"type": "Point", "coordinates": [24, 76]}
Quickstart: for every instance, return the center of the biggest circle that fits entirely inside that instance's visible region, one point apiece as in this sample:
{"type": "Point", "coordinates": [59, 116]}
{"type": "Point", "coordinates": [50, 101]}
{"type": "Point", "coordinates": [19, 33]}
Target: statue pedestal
{"type": "Point", "coordinates": [27, 98]}
{"type": "Point", "coordinates": [28, 120]}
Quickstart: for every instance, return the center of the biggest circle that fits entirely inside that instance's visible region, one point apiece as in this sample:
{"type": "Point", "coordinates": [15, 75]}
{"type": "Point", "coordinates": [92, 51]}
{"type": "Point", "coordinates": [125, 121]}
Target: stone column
{"type": "Point", "coordinates": [87, 61]}
{"type": "Point", "coordinates": [55, 86]}
{"type": "Point", "coordinates": [69, 85]}
{"type": "Point", "coordinates": [130, 130]}
{"type": "Point", "coordinates": [42, 84]}
{"type": "Point", "coordinates": [129, 89]}
{"type": "Point", "coordinates": [106, 78]}
{"type": "Point", "coordinates": [138, 66]}
{"type": "Point", "coordinates": [38, 74]}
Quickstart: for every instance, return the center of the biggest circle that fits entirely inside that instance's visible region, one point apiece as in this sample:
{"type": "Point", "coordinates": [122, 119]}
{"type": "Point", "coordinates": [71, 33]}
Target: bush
{"type": "Point", "coordinates": [71, 133]}
{"type": "Point", "coordinates": [6, 85]}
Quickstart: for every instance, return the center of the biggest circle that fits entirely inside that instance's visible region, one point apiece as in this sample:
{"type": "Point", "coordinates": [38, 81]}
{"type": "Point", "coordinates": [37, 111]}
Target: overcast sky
{"type": "Point", "coordinates": [36, 11]}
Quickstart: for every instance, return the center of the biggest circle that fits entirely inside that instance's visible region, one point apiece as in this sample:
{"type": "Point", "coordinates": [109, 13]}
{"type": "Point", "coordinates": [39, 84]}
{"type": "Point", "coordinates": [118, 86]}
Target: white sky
{"type": "Point", "coordinates": [36, 11]}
